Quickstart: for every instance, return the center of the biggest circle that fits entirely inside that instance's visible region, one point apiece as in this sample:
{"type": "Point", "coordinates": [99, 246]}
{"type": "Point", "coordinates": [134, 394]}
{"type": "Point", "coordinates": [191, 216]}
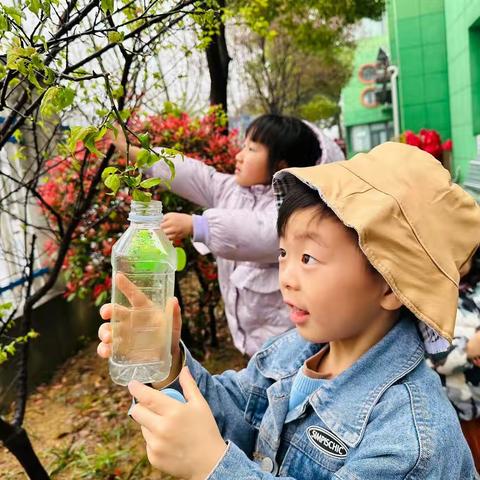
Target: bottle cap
{"type": "Point", "coordinates": [174, 394]}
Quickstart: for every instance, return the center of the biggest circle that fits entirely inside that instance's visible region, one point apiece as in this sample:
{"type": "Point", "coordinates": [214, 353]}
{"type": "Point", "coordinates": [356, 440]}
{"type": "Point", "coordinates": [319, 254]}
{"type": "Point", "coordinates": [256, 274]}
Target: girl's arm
{"type": "Point", "coordinates": [194, 180]}
{"type": "Point", "coordinates": [239, 234]}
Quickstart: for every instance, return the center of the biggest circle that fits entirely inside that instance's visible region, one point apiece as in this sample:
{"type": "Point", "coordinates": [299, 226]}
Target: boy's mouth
{"type": "Point", "coordinates": [298, 315]}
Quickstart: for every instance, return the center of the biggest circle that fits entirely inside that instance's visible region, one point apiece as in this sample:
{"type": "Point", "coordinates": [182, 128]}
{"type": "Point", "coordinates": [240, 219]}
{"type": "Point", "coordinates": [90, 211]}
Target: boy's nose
{"type": "Point", "coordinates": [288, 279]}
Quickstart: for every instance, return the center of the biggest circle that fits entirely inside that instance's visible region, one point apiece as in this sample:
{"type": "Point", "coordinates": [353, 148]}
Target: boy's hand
{"type": "Point", "coordinates": [177, 226]}
{"type": "Point", "coordinates": [137, 298]}
{"type": "Point", "coordinates": [182, 439]}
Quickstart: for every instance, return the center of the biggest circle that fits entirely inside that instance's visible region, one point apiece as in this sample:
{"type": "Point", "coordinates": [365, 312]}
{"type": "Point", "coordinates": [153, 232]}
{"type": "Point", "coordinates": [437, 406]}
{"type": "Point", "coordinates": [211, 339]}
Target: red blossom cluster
{"type": "Point", "coordinates": [204, 138]}
{"type": "Point", "coordinates": [87, 264]}
{"type": "Point", "coordinates": [429, 141]}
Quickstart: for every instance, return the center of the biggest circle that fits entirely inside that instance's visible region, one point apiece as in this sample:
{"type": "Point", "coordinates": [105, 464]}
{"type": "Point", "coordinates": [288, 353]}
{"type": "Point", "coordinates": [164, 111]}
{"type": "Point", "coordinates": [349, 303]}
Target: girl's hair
{"type": "Point", "coordinates": [286, 138]}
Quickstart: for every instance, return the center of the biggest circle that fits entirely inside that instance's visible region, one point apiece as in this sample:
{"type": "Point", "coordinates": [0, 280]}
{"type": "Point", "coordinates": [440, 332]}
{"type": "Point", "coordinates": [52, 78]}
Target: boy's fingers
{"type": "Point", "coordinates": [190, 389]}
{"type": "Point", "coordinates": [105, 332]}
{"type": "Point", "coordinates": [106, 311]}
{"type": "Point", "coordinates": [154, 400]}
{"type": "Point", "coordinates": [134, 295]}
{"type": "Point", "coordinates": [104, 350]}
{"type": "Point", "coordinates": [146, 417]}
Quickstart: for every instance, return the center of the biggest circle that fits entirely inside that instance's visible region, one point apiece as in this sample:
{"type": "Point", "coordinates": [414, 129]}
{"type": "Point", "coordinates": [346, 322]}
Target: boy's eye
{"type": "Point", "coordinates": [282, 253]}
{"type": "Point", "coordinates": [308, 259]}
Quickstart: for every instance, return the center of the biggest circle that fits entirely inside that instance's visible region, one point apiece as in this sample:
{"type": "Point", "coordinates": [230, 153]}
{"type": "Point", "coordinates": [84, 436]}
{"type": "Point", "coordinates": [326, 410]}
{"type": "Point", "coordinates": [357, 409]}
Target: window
{"type": "Point", "coordinates": [365, 137]}
{"type": "Point", "coordinates": [368, 98]}
{"type": "Point", "coordinates": [367, 73]}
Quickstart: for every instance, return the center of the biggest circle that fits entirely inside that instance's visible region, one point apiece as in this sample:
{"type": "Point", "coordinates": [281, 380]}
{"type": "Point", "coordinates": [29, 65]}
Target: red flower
{"type": "Point", "coordinates": [447, 145]}
{"type": "Point", "coordinates": [412, 139]}
{"type": "Point", "coordinates": [97, 290]}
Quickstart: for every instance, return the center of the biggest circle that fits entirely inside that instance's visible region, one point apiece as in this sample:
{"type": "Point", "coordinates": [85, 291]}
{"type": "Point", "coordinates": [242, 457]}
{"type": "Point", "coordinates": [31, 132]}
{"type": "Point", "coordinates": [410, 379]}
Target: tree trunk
{"type": "Point", "coordinates": [17, 442]}
{"type": "Point", "coordinates": [218, 60]}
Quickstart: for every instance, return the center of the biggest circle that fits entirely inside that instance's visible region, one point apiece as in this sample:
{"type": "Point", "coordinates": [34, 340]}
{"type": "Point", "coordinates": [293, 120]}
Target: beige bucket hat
{"type": "Point", "coordinates": [416, 227]}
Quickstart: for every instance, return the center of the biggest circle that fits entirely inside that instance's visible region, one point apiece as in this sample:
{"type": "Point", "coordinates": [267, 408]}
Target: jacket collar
{"type": "Point", "coordinates": [344, 404]}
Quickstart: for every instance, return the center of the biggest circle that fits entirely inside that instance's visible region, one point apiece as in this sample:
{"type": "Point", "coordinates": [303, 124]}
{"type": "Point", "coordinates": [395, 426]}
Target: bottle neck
{"type": "Point", "coordinates": [145, 219]}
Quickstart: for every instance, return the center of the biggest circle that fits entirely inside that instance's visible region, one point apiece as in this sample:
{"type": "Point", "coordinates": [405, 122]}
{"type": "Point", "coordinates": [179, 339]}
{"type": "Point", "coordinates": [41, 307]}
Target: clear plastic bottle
{"type": "Point", "coordinates": [144, 263]}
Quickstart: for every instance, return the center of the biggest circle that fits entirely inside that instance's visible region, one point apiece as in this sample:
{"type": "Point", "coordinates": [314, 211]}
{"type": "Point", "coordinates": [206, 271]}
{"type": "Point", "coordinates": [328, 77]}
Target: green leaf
{"type": "Point", "coordinates": [55, 100]}
{"type": "Point", "coordinates": [143, 157]}
{"type": "Point", "coordinates": [14, 13]}
{"type": "Point", "coordinates": [78, 134]}
{"type": "Point", "coordinates": [118, 92]}
{"type": "Point", "coordinates": [6, 306]}
{"type": "Point", "coordinates": [34, 6]}
{"type": "Point", "coordinates": [107, 5]}
{"type": "Point", "coordinates": [181, 258]}
{"type": "Point", "coordinates": [144, 140]}
{"type": "Point", "coordinates": [89, 142]}
{"type": "Point", "coordinates": [115, 37]}
{"type": "Point", "coordinates": [4, 23]}
{"type": "Point", "coordinates": [112, 182]}
{"type": "Point", "coordinates": [108, 171]}
{"type": "Point", "coordinates": [17, 135]}
{"type": "Point", "coordinates": [140, 196]}
{"type": "Point", "coordinates": [102, 298]}
{"type": "Point", "coordinates": [151, 182]}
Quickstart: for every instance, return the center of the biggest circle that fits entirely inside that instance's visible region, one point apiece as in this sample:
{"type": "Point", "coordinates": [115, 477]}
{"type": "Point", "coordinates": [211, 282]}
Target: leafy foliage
{"type": "Point", "coordinates": [87, 264]}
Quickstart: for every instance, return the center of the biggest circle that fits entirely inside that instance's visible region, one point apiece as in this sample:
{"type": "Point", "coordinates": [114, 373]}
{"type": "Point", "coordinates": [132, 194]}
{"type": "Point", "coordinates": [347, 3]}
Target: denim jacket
{"type": "Point", "coordinates": [385, 417]}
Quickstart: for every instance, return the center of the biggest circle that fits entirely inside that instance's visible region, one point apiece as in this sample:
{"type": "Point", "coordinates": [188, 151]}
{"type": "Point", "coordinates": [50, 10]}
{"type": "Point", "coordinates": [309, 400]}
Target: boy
{"type": "Point", "coordinates": [371, 253]}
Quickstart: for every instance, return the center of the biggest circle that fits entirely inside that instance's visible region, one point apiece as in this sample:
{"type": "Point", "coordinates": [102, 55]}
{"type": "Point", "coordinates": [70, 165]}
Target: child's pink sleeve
{"type": "Point", "coordinates": [194, 181]}
{"type": "Point", "coordinates": [243, 235]}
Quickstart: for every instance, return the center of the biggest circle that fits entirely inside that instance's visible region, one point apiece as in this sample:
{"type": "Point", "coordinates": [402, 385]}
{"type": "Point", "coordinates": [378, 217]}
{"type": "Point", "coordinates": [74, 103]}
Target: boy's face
{"type": "Point", "coordinates": [326, 280]}
{"type": "Point", "coordinates": [251, 166]}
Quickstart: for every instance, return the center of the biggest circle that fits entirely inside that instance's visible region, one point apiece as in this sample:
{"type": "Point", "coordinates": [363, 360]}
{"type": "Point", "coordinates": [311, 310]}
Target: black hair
{"type": "Point", "coordinates": [286, 138]}
{"type": "Point", "coordinates": [471, 279]}
{"type": "Point", "coordinates": [298, 197]}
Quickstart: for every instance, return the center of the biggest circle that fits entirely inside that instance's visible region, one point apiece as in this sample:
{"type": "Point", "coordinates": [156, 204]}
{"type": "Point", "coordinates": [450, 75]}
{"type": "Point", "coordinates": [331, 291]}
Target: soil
{"type": "Point", "coordinates": [78, 423]}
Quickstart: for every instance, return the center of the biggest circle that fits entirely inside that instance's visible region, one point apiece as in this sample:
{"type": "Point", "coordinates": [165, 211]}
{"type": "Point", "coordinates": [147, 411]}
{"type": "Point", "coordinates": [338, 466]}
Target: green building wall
{"type": "Point", "coordinates": [354, 112]}
{"type": "Point", "coordinates": [463, 47]}
{"type": "Point", "coordinates": [418, 47]}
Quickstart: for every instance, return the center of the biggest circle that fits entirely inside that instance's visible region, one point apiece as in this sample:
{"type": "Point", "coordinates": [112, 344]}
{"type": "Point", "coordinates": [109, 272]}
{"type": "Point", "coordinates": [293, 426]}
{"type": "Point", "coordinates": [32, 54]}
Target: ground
{"type": "Point", "coordinates": [78, 423]}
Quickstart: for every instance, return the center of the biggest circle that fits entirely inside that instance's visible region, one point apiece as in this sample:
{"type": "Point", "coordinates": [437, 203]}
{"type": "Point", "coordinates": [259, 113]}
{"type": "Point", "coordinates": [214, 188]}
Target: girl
{"type": "Point", "coordinates": [238, 225]}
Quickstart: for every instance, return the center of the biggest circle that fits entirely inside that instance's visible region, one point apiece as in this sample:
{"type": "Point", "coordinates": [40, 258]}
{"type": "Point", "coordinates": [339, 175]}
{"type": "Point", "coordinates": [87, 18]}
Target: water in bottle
{"type": "Point", "coordinates": [144, 263]}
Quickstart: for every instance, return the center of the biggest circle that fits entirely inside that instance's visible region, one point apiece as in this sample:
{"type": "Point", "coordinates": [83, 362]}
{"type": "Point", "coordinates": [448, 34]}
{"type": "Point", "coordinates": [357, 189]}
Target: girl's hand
{"type": "Point", "coordinates": [182, 439]}
{"type": "Point", "coordinates": [138, 299]}
{"type": "Point", "coordinates": [177, 226]}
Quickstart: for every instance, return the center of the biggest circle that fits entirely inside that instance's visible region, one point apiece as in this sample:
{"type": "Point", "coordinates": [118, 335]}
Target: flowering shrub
{"type": "Point", "coordinates": [87, 264]}
{"type": "Point", "coordinates": [427, 140]}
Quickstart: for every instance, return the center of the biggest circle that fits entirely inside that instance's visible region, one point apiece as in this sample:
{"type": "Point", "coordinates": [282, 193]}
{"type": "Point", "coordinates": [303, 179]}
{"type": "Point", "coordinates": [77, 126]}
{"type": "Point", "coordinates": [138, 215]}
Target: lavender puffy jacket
{"type": "Point", "coordinates": [241, 225]}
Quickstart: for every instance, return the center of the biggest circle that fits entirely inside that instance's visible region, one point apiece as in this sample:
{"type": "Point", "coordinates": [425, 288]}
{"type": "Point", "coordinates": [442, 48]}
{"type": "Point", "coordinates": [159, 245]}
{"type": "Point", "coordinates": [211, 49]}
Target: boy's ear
{"type": "Point", "coordinates": [389, 300]}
